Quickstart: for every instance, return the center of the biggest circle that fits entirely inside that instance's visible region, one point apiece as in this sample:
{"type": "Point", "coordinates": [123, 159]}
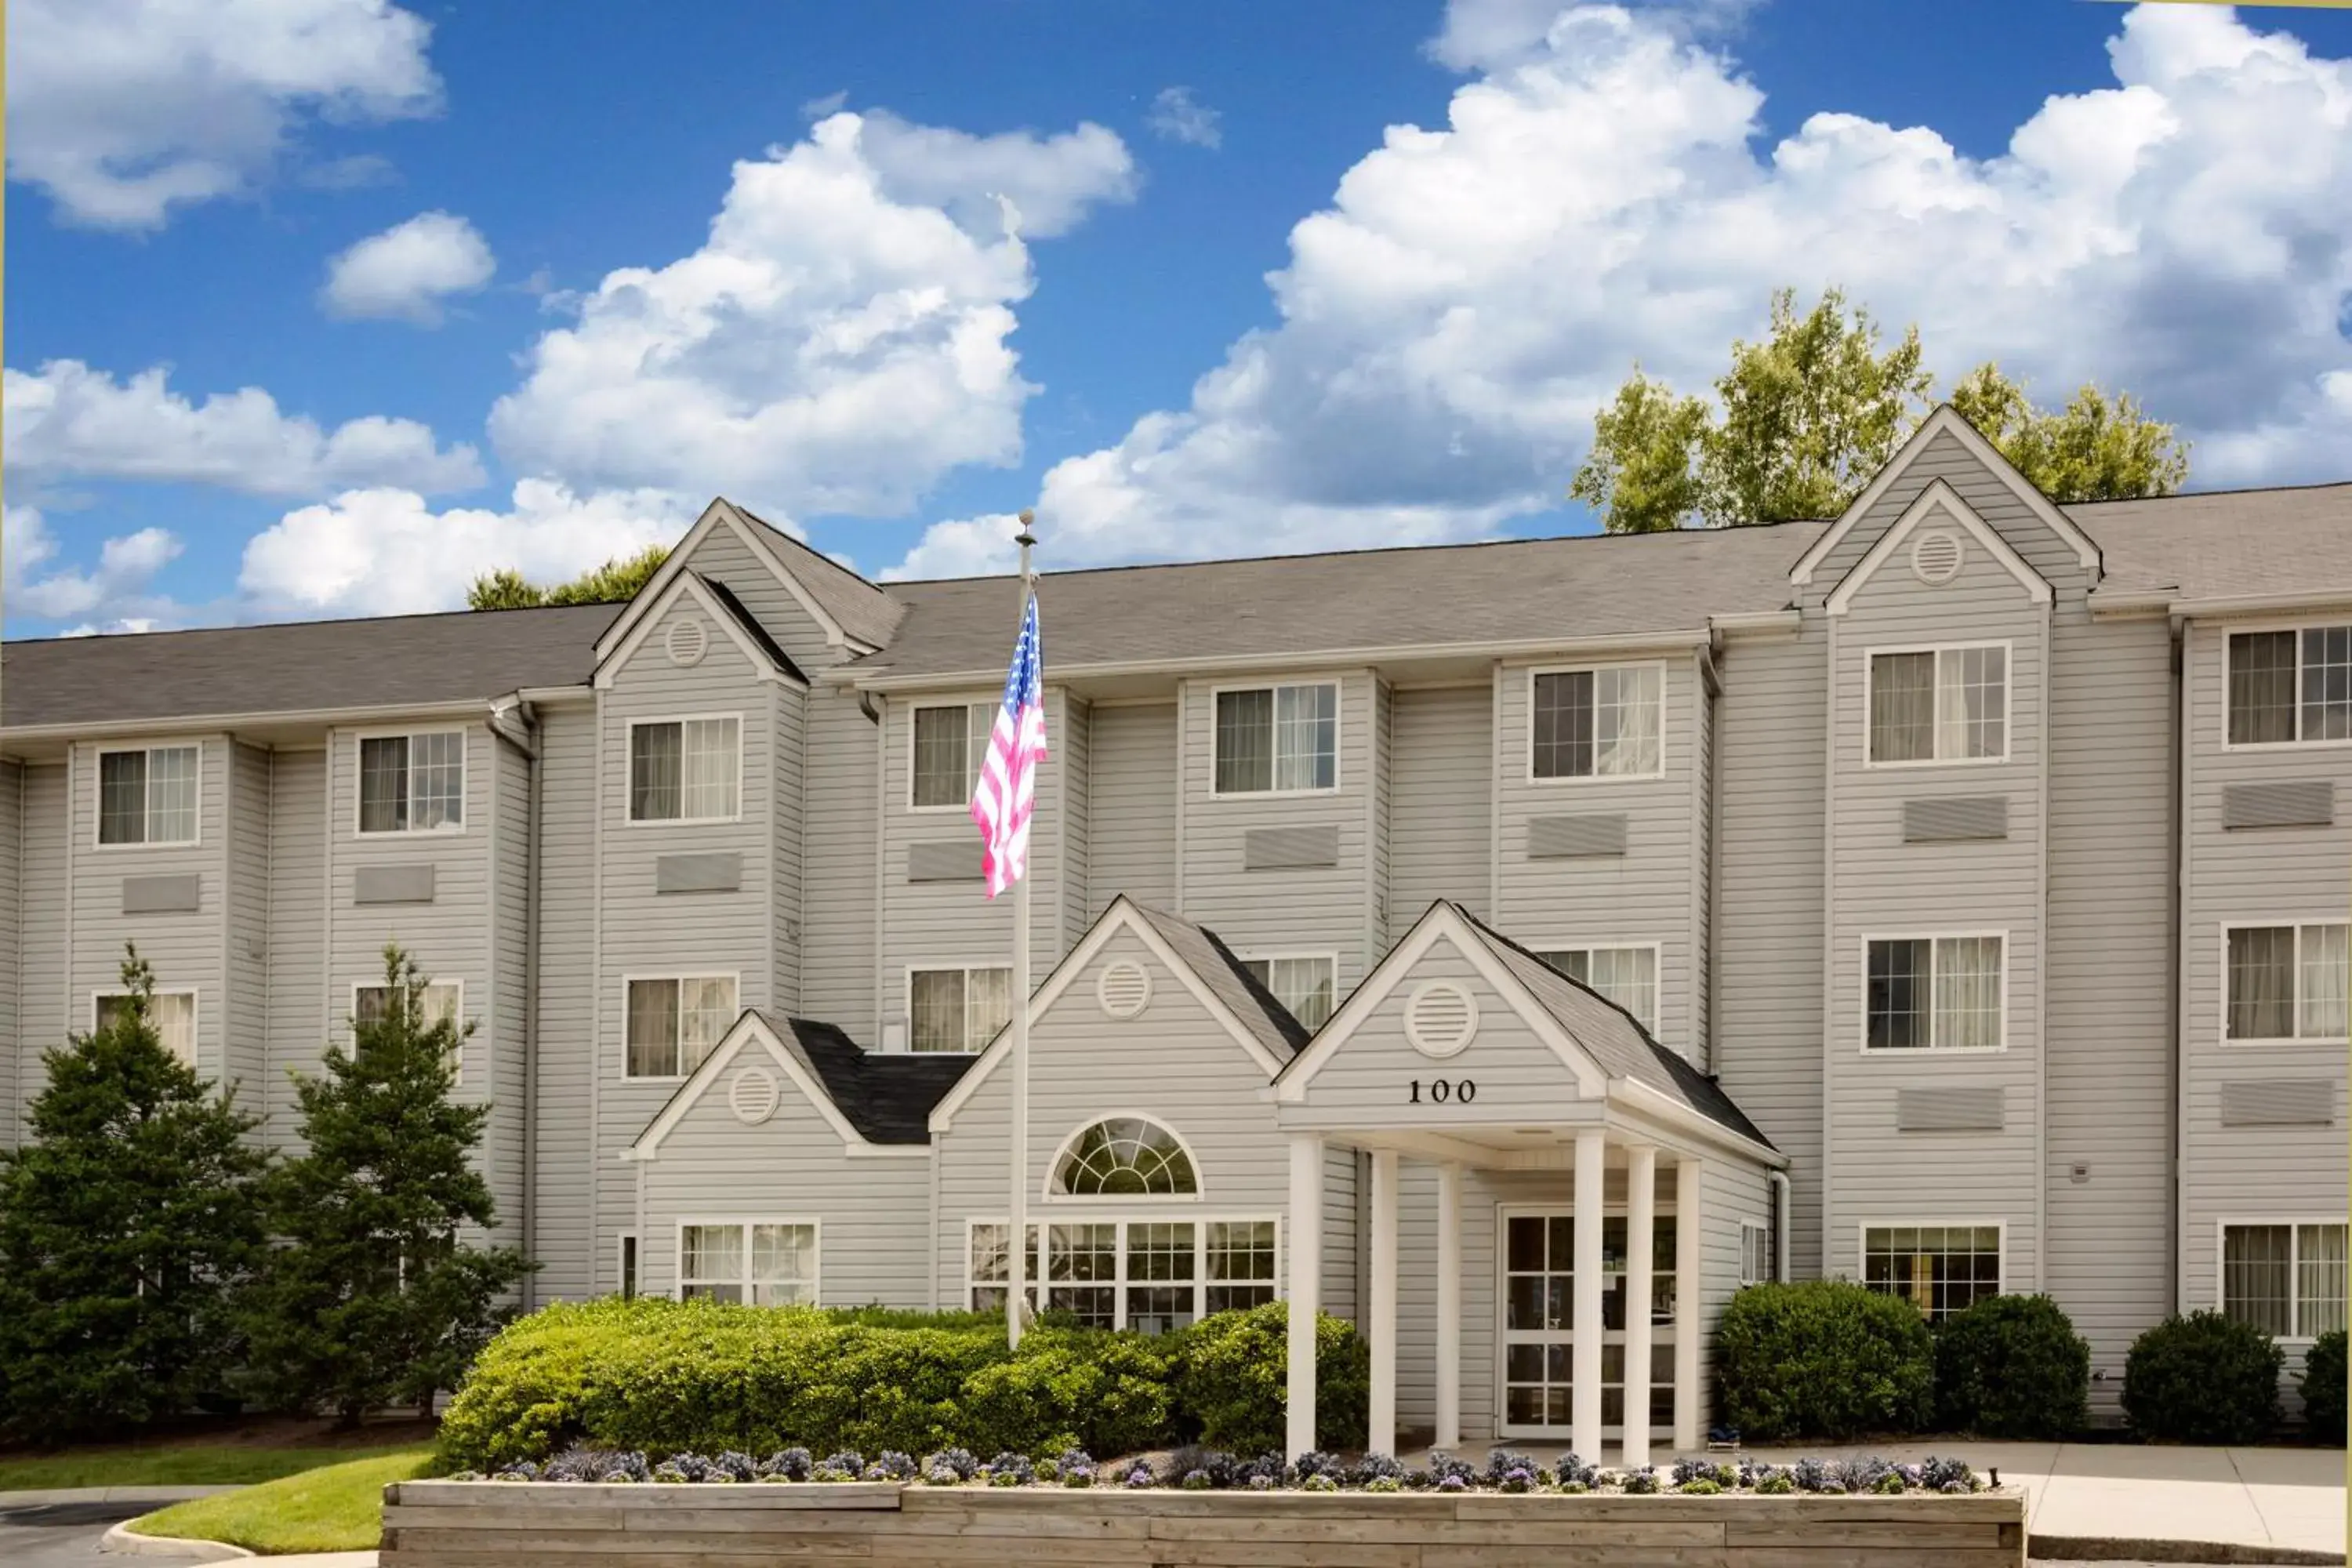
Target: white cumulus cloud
{"type": "Point", "coordinates": [1178, 116]}
{"type": "Point", "coordinates": [122, 110]}
{"type": "Point", "coordinates": [116, 594]}
{"type": "Point", "coordinates": [968, 547]}
{"type": "Point", "coordinates": [410, 270]}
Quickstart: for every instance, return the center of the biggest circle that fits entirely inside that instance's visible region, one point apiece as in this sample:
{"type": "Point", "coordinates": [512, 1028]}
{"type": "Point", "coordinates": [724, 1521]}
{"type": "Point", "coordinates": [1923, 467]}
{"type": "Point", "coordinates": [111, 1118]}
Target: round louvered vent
{"type": "Point", "coordinates": [687, 642]}
{"type": "Point", "coordinates": [1936, 556]}
{"type": "Point", "coordinates": [753, 1096]}
{"type": "Point", "coordinates": [1123, 989]}
{"type": "Point", "coordinates": [1440, 1017]}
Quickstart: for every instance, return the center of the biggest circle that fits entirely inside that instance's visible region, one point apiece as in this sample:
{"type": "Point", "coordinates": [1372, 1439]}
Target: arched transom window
{"type": "Point", "coordinates": [1125, 1156]}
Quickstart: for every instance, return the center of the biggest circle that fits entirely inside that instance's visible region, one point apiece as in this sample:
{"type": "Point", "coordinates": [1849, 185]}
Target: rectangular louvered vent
{"type": "Point", "coordinates": [1956, 816]}
{"type": "Point", "coordinates": [944, 860]}
{"type": "Point", "coordinates": [2278, 1102]}
{"type": "Point", "coordinates": [161, 895]}
{"type": "Point", "coordinates": [1290, 849]}
{"type": "Point", "coordinates": [1948, 1110]}
{"type": "Point", "coordinates": [716, 872]}
{"type": "Point", "coordinates": [1576, 837]}
{"type": "Point", "coordinates": [2302, 804]}
{"type": "Point", "coordinates": [392, 884]}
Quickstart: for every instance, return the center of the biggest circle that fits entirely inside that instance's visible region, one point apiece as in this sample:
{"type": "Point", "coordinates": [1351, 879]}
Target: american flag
{"type": "Point", "coordinates": [1007, 790]}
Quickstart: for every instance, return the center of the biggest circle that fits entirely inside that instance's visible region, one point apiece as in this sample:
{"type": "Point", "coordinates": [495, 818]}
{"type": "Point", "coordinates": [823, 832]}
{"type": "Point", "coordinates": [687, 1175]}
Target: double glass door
{"type": "Point", "coordinates": [1538, 1287]}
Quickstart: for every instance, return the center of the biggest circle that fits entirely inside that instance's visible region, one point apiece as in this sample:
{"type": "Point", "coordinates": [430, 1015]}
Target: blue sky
{"type": "Point", "coordinates": [319, 307]}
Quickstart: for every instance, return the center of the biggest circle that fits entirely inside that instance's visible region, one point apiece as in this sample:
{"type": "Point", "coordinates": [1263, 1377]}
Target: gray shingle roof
{"type": "Point", "coordinates": [888, 1098]}
{"type": "Point", "coordinates": [1234, 985]}
{"type": "Point", "coordinates": [2224, 544]}
{"type": "Point", "coordinates": [387, 662]}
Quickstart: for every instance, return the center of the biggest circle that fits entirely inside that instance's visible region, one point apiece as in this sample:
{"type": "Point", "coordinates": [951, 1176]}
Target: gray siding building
{"type": "Point", "coordinates": [1517, 947]}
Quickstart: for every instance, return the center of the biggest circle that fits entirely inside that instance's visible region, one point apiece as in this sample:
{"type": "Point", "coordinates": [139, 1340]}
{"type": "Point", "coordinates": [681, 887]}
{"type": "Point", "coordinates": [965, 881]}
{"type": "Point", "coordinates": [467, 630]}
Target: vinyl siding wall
{"type": "Point", "coordinates": [245, 921]}
{"type": "Point", "coordinates": [22, 1064]}
{"type": "Point", "coordinates": [299, 1013]}
{"type": "Point", "coordinates": [1442, 764]}
{"type": "Point", "coordinates": [1132, 806]}
{"type": "Point", "coordinates": [567, 1168]}
{"type": "Point", "coordinates": [505, 1010]}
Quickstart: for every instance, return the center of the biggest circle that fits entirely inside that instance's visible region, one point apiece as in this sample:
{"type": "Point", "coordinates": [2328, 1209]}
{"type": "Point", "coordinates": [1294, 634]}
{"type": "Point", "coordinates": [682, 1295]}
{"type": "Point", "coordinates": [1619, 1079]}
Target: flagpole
{"type": "Point", "coordinates": [1017, 1235]}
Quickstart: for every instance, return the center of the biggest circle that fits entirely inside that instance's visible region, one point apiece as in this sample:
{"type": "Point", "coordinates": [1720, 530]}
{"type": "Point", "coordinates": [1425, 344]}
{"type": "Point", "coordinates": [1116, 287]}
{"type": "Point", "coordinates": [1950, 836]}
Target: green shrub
{"type": "Point", "coordinates": [2012, 1366]}
{"type": "Point", "coordinates": [2203, 1379]}
{"type": "Point", "coordinates": [2323, 1388]}
{"type": "Point", "coordinates": [1823, 1359]}
{"type": "Point", "coordinates": [1107, 1393]}
{"type": "Point", "coordinates": [1234, 1382]}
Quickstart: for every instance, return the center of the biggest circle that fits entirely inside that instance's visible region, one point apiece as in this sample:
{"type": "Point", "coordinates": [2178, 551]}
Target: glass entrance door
{"type": "Point", "coordinates": [1538, 1276]}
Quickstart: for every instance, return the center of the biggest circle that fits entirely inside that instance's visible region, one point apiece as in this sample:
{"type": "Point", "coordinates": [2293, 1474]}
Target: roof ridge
{"type": "Point", "coordinates": [613, 605]}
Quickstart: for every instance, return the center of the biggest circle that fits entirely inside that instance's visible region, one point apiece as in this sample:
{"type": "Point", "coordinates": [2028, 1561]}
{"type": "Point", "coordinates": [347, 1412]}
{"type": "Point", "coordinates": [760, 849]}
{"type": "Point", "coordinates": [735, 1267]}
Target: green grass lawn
{"type": "Point", "coordinates": [337, 1508]}
{"type": "Point", "coordinates": [179, 1464]}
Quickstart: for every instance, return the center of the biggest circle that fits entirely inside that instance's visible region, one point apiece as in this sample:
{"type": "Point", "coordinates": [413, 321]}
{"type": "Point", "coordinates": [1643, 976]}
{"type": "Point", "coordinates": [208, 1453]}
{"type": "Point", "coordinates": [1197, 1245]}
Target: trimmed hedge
{"type": "Point", "coordinates": [665, 1377]}
{"type": "Point", "coordinates": [2012, 1366]}
{"type": "Point", "coordinates": [2203, 1378]}
{"type": "Point", "coordinates": [1234, 1381]}
{"type": "Point", "coordinates": [2323, 1388]}
{"type": "Point", "coordinates": [1825, 1359]}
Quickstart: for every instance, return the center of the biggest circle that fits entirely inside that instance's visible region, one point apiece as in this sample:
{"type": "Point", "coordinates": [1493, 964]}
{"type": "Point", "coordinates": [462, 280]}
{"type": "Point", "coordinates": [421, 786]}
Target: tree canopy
{"type": "Point", "coordinates": [615, 582]}
{"type": "Point", "coordinates": [1811, 413]}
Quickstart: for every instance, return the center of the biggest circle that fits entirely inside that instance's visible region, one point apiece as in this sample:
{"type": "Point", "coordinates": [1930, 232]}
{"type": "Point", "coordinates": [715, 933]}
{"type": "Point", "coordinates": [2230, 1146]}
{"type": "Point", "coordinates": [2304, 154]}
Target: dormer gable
{"type": "Point", "coordinates": [688, 611]}
{"type": "Point", "coordinates": [1935, 538]}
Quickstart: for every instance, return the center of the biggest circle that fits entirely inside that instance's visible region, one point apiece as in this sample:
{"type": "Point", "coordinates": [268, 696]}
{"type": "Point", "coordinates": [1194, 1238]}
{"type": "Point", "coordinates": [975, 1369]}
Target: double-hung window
{"type": "Point", "coordinates": [1939, 705]}
{"type": "Point", "coordinates": [1154, 1275]}
{"type": "Point", "coordinates": [1939, 1268]}
{"type": "Point", "coordinates": [1934, 993]}
{"type": "Point", "coordinates": [1277, 738]}
{"type": "Point", "coordinates": [1596, 724]}
{"type": "Point", "coordinates": [413, 784]}
{"type": "Point", "coordinates": [1304, 986]}
{"type": "Point", "coordinates": [1756, 1258]}
{"type": "Point", "coordinates": [759, 1263]}
{"type": "Point", "coordinates": [2287, 983]}
{"type": "Point", "coordinates": [686, 770]}
{"type": "Point", "coordinates": [950, 743]}
{"type": "Point", "coordinates": [957, 1009]}
{"type": "Point", "coordinates": [1625, 975]}
{"type": "Point", "coordinates": [147, 796]}
{"type": "Point", "coordinates": [2285, 1279]}
{"type": "Point", "coordinates": [2291, 686]}
{"type": "Point", "coordinates": [170, 1013]}
{"type": "Point", "coordinates": [673, 1023]}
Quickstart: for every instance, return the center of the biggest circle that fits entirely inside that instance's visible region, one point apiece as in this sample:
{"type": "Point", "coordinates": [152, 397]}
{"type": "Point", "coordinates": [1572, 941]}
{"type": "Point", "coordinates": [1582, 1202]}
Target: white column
{"type": "Point", "coordinates": [1305, 1286]}
{"type": "Point", "coordinates": [1584, 1408]}
{"type": "Point", "coordinates": [1641, 1209]}
{"type": "Point", "coordinates": [1689, 1179]}
{"type": "Point", "coordinates": [1381, 1438]}
{"type": "Point", "coordinates": [1449, 1306]}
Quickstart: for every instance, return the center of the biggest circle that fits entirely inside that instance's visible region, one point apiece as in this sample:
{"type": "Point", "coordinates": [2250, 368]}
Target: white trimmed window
{"type": "Point", "coordinates": [1941, 993]}
{"type": "Point", "coordinates": [1596, 724]}
{"type": "Point", "coordinates": [958, 1009]}
{"type": "Point", "coordinates": [763, 1263]}
{"type": "Point", "coordinates": [170, 1013]}
{"type": "Point", "coordinates": [2285, 1279]}
{"type": "Point", "coordinates": [148, 796]}
{"type": "Point", "coordinates": [1125, 1156]}
{"type": "Point", "coordinates": [413, 784]}
{"type": "Point", "coordinates": [1278, 740]}
{"type": "Point", "coordinates": [1939, 705]}
{"type": "Point", "coordinates": [1625, 975]}
{"type": "Point", "coordinates": [2287, 983]}
{"type": "Point", "coordinates": [1754, 1253]}
{"type": "Point", "coordinates": [1153, 1276]}
{"type": "Point", "coordinates": [950, 743]}
{"type": "Point", "coordinates": [686, 770]}
{"type": "Point", "coordinates": [674, 1022]}
{"type": "Point", "coordinates": [1304, 986]}
{"type": "Point", "coordinates": [2290, 687]}
{"type": "Point", "coordinates": [1939, 1269]}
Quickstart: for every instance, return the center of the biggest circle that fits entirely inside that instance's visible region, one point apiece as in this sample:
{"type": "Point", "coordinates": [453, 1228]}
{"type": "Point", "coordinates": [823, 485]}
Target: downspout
{"type": "Point", "coordinates": [2176, 897]}
{"type": "Point", "coordinates": [514, 722]}
{"type": "Point", "coordinates": [1784, 1208]}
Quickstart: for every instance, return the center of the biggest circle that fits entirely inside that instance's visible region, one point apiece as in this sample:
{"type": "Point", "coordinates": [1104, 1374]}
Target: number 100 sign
{"type": "Point", "coordinates": [1443, 1091]}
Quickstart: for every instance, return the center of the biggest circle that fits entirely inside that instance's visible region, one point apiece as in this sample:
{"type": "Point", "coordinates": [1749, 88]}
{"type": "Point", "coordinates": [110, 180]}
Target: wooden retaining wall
{"type": "Point", "coordinates": [510, 1524]}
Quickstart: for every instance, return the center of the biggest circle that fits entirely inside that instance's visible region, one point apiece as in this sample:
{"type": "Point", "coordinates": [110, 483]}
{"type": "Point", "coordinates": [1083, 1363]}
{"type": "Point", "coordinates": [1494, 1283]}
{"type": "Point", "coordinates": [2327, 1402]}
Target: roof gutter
{"type": "Point", "coordinates": [2262, 603]}
{"type": "Point", "coordinates": [468, 707]}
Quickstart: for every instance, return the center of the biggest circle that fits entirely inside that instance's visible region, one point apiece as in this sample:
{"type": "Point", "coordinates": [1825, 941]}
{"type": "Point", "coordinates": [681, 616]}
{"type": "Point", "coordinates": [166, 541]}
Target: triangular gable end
{"type": "Point", "coordinates": [722, 513]}
{"type": "Point", "coordinates": [687, 584]}
{"type": "Point", "coordinates": [1938, 502]}
{"type": "Point", "coordinates": [749, 1029]}
{"type": "Point", "coordinates": [1446, 922]}
{"type": "Point", "coordinates": [1946, 421]}
{"type": "Point", "coordinates": [1122, 915]}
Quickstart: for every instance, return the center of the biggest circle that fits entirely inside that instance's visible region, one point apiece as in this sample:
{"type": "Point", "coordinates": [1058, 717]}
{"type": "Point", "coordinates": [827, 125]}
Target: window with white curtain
{"type": "Point", "coordinates": [685, 770]}
{"type": "Point", "coordinates": [170, 1013]}
{"type": "Point", "coordinates": [2286, 1279]}
{"type": "Point", "coordinates": [1939, 705]}
{"type": "Point", "coordinates": [1940, 993]}
{"type": "Point", "coordinates": [950, 744]}
{"type": "Point", "coordinates": [2288, 687]}
{"type": "Point", "coordinates": [1625, 975]}
{"type": "Point", "coordinates": [763, 1263]}
{"type": "Point", "coordinates": [958, 1009]}
{"type": "Point", "coordinates": [148, 796]}
{"type": "Point", "coordinates": [2287, 983]}
{"type": "Point", "coordinates": [674, 1022]}
{"type": "Point", "coordinates": [413, 784]}
{"type": "Point", "coordinates": [1304, 986]}
{"type": "Point", "coordinates": [1278, 739]}
{"type": "Point", "coordinates": [1596, 724]}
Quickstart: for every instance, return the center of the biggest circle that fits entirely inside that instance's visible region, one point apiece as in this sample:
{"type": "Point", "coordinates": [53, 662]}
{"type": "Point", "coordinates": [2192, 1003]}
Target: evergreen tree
{"type": "Point", "coordinates": [615, 582]}
{"type": "Point", "coordinates": [128, 1223]}
{"type": "Point", "coordinates": [373, 1297]}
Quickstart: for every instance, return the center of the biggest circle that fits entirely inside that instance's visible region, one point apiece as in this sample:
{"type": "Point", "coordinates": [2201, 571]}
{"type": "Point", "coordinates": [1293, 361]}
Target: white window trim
{"type": "Point", "coordinates": [1657, 951]}
{"type": "Point", "coordinates": [457, 1056]}
{"type": "Point", "coordinates": [2221, 958]}
{"type": "Point", "coordinates": [98, 795]}
{"type": "Point", "coordinates": [1662, 1333]}
{"type": "Point", "coordinates": [907, 801]}
{"type": "Point", "coordinates": [1078, 1200]}
{"type": "Point", "coordinates": [2294, 1275]}
{"type": "Point", "coordinates": [743, 1222]}
{"type": "Point", "coordinates": [1762, 1247]}
{"type": "Point", "coordinates": [1862, 1001]}
{"type": "Point", "coordinates": [1527, 752]}
{"type": "Point", "coordinates": [1864, 1228]}
{"type": "Point", "coordinates": [1280, 1283]}
{"type": "Point", "coordinates": [195, 1012]}
{"type": "Point", "coordinates": [410, 734]}
{"type": "Point", "coordinates": [937, 966]}
{"type": "Point", "coordinates": [628, 1273]}
{"type": "Point", "coordinates": [1338, 738]}
{"type": "Point", "coordinates": [1270, 956]}
{"type": "Point", "coordinates": [2272, 748]}
{"type": "Point", "coordinates": [632, 978]}
{"type": "Point", "coordinates": [629, 767]}
{"type": "Point", "coordinates": [2007, 704]}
